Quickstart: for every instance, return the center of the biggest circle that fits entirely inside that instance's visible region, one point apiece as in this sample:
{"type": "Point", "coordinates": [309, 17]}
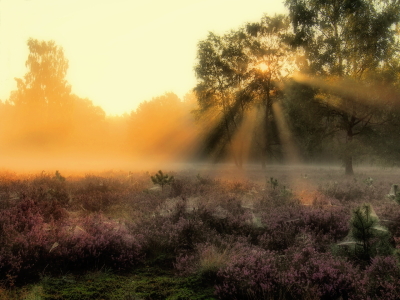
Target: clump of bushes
{"type": "Point", "coordinates": [282, 225]}
{"type": "Point", "coordinates": [30, 246]}
{"type": "Point", "coordinates": [94, 241]}
{"type": "Point", "coordinates": [351, 190]}
{"type": "Point", "coordinates": [255, 273]}
{"type": "Point", "coordinates": [274, 247]}
{"type": "Point", "coordinates": [381, 279]}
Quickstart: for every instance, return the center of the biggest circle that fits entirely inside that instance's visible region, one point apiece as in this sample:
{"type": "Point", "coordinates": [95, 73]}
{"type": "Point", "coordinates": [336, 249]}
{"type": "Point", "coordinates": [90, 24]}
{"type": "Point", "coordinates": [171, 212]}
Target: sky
{"type": "Point", "coordinates": [120, 52]}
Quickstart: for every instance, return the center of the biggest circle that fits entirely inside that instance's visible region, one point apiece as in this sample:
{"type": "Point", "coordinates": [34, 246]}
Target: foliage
{"type": "Point", "coordinates": [205, 262]}
{"type": "Point", "coordinates": [369, 181]}
{"type": "Point", "coordinates": [346, 44]}
{"type": "Point", "coordinates": [162, 179]}
{"type": "Point", "coordinates": [238, 78]}
{"type": "Point", "coordinates": [350, 190]}
{"type": "Point", "coordinates": [45, 117]}
{"type": "Point", "coordinates": [284, 223]}
{"type": "Point", "coordinates": [394, 193]}
{"type": "Point", "coordinates": [160, 126]}
{"type": "Point", "coordinates": [254, 273]}
{"type": "Point", "coordinates": [29, 245]}
{"type": "Point", "coordinates": [146, 283]}
{"type": "Point", "coordinates": [307, 120]}
{"type": "Point", "coordinates": [96, 242]}
{"type": "Point", "coordinates": [43, 95]}
{"type": "Point", "coordinates": [204, 241]}
{"type": "Point", "coordinates": [273, 182]}
{"type": "Point", "coordinates": [382, 278]}
{"type": "Point", "coordinates": [251, 272]}
{"type": "Point", "coordinates": [367, 238]}
{"type": "Point", "coordinates": [58, 176]}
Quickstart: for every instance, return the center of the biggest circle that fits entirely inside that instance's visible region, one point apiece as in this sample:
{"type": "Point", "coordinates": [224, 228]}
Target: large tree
{"type": "Point", "coordinates": [240, 72]}
{"type": "Point", "coordinates": [307, 120]}
{"type": "Point", "coordinates": [345, 44]}
{"type": "Point", "coordinates": [42, 99]}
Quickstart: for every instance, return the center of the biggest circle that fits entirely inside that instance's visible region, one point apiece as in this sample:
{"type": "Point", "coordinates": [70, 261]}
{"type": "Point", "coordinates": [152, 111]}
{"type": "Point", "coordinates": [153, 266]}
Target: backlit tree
{"type": "Point", "coordinates": [42, 99]}
{"type": "Point", "coordinates": [238, 72]}
{"type": "Point", "coordinates": [345, 44]}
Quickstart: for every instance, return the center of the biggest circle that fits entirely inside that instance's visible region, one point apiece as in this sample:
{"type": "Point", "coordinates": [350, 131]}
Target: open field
{"type": "Point", "coordinates": [215, 232]}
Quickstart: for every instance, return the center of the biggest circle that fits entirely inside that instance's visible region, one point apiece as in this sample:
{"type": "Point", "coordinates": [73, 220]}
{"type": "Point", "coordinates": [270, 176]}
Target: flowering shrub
{"type": "Point", "coordinates": [165, 236]}
{"type": "Point", "coordinates": [47, 188]}
{"type": "Point", "coordinates": [283, 224]}
{"type": "Point", "coordinates": [30, 246]}
{"type": "Point", "coordinates": [347, 191]}
{"type": "Point", "coordinates": [382, 279]}
{"type": "Point", "coordinates": [96, 201]}
{"type": "Point", "coordinates": [177, 187]}
{"type": "Point", "coordinates": [327, 225]}
{"type": "Point", "coordinates": [254, 273]}
{"type": "Point", "coordinates": [249, 243]}
{"type": "Point", "coordinates": [94, 241]}
{"type": "Point", "coordinates": [224, 221]}
{"type": "Point", "coordinates": [186, 263]}
{"type": "Point", "coordinates": [251, 273]}
{"type": "Point", "coordinates": [23, 242]}
{"type": "Point", "coordinates": [323, 221]}
{"type": "Point", "coordinates": [322, 274]}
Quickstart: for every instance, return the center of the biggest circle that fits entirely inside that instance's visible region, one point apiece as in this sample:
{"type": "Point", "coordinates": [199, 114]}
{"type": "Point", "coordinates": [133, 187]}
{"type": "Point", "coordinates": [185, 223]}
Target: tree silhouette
{"type": "Point", "coordinates": [238, 72]}
{"type": "Point", "coordinates": [346, 43]}
{"type": "Point", "coordinates": [162, 128]}
{"type": "Point", "coordinates": [42, 99]}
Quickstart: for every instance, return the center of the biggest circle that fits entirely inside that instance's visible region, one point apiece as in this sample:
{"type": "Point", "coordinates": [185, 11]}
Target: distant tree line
{"type": "Point", "coordinates": [321, 84]}
{"type": "Point", "coordinates": [43, 118]}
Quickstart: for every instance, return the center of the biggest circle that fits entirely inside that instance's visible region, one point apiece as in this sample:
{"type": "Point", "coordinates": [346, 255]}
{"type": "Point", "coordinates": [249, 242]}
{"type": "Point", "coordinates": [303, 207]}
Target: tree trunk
{"type": "Point", "coordinates": [263, 159]}
{"type": "Point", "coordinates": [348, 163]}
{"type": "Point", "coordinates": [348, 156]}
{"type": "Point", "coordinates": [267, 106]}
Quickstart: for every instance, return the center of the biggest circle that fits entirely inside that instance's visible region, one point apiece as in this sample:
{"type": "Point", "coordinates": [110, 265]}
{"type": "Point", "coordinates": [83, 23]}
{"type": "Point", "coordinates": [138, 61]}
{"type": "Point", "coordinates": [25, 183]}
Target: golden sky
{"type": "Point", "coordinates": [120, 52]}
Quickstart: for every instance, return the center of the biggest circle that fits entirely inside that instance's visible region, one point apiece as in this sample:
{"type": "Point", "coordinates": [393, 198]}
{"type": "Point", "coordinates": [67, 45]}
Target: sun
{"type": "Point", "coordinates": [263, 67]}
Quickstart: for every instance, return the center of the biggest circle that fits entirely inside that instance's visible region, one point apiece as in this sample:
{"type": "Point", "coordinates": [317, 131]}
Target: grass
{"type": "Point", "coordinates": [144, 283]}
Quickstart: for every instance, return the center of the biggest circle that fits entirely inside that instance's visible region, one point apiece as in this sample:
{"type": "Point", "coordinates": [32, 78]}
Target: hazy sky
{"type": "Point", "coordinates": [120, 52]}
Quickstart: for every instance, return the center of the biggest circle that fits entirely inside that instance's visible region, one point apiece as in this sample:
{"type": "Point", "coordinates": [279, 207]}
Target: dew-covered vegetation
{"type": "Point", "coordinates": [309, 233]}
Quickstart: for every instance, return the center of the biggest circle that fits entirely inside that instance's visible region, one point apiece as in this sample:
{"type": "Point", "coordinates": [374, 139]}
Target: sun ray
{"type": "Point", "coordinates": [371, 93]}
{"type": "Point", "coordinates": [242, 140]}
{"type": "Point", "coordinates": [302, 189]}
{"type": "Point", "coordinates": [291, 154]}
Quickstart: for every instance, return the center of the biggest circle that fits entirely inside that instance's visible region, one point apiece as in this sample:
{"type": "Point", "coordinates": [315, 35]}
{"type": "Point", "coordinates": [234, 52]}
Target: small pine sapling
{"type": "Point", "coordinates": [58, 176]}
{"type": "Point", "coordinates": [394, 193]}
{"type": "Point", "coordinates": [273, 182]}
{"type": "Point", "coordinates": [369, 181]}
{"type": "Point", "coordinates": [366, 235]}
{"type": "Point", "coordinates": [285, 192]}
{"type": "Point", "coordinates": [162, 179]}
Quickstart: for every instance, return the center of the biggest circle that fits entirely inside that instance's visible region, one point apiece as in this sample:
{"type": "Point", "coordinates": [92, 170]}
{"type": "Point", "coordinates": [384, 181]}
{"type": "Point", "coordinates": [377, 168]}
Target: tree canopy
{"type": "Point", "coordinates": [238, 72]}
{"type": "Point", "coordinates": [346, 43]}
{"type": "Point", "coordinates": [46, 116]}
{"type": "Point", "coordinates": [313, 84]}
{"type": "Point", "coordinates": [344, 51]}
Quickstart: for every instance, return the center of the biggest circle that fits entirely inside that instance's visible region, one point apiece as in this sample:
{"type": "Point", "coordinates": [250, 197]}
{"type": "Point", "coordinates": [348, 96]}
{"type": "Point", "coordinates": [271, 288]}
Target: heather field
{"type": "Point", "coordinates": [207, 233]}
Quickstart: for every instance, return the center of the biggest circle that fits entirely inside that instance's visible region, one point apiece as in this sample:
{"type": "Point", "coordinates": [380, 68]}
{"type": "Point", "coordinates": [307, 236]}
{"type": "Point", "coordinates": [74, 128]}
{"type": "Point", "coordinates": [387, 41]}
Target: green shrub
{"type": "Point", "coordinates": [367, 238]}
{"type": "Point", "coordinates": [162, 179]}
